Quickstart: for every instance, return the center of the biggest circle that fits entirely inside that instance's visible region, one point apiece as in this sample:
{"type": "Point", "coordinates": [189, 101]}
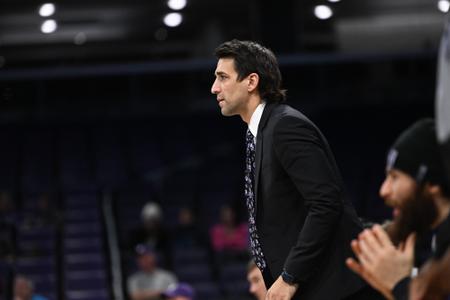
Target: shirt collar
{"type": "Point", "coordinates": [256, 117]}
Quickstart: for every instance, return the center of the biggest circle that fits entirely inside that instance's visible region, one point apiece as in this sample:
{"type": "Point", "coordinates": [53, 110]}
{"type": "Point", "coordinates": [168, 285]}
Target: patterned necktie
{"type": "Point", "coordinates": [255, 247]}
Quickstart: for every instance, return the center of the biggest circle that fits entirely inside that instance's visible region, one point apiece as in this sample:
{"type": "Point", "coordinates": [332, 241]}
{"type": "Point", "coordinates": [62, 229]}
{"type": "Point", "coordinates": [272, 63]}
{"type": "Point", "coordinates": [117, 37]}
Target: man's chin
{"type": "Point", "coordinates": [226, 112]}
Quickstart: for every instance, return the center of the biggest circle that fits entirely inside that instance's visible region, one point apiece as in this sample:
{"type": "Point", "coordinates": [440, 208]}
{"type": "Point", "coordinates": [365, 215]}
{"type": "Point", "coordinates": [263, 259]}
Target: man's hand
{"type": "Point", "coordinates": [281, 290]}
{"type": "Point", "coordinates": [381, 264]}
{"type": "Point", "coordinates": [364, 274]}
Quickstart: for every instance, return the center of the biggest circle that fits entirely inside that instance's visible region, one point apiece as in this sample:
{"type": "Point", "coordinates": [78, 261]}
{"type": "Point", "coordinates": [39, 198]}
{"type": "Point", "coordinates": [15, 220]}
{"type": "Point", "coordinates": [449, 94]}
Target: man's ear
{"type": "Point", "coordinates": [253, 81]}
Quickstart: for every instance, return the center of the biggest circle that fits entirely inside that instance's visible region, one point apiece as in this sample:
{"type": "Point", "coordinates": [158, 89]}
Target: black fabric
{"type": "Point", "coordinates": [414, 152]}
{"type": "Point", "coordinates": [367, 293]}
{"type": "Point", "coordinates": [401, 289]}
{"type": "Point", "coordinates": [304, 221]}
{"type": "Point", "coordinates": [442, 238]}
{"type": "Point", "coordinates": [445, 151]}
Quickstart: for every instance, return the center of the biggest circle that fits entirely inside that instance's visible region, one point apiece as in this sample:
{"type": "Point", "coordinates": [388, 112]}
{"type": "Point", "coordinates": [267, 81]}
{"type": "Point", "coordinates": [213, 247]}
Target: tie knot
{"type": "Point", "coordinates": [249, 137]}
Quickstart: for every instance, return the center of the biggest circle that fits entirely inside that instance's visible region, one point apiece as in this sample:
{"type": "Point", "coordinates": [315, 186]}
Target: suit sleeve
{"type": "Point", "coordinates": [304, 157]}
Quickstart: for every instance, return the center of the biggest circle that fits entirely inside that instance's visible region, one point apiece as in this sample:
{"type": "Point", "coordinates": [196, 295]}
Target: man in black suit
{"type": "Point", "coordinates": [300, 222]}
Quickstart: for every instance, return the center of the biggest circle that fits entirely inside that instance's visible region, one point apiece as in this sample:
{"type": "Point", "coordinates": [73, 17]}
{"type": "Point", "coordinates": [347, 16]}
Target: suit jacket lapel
{"type": "Point", "coordinates": [259, 146]}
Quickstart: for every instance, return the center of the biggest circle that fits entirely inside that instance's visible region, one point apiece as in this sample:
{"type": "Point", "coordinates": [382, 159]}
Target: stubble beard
{"type": "Point", "coordinates": [228, 110]}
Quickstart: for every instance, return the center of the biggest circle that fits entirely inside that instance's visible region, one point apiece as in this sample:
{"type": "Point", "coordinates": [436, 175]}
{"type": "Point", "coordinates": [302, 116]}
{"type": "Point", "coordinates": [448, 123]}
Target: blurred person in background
{"type": "Point", "coordinates": [24, 289]}
{"type": "Point", "coordinates": [187, 232]}
{"type": "Point", "coordinates": [256, 281]}
{"type": "Point", "coordinates": [228, 237]}
{"type": "Point", "coordinates": [152, 232]}
{"type": "Point", "coordinates": [417, 188]}
{"type": "Point", "coordinates": [150, 281]}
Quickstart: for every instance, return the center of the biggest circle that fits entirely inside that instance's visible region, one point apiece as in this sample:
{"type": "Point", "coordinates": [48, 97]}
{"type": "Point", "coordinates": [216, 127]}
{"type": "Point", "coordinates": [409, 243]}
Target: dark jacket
{"type": "Point", "coordinates": [304, 221]}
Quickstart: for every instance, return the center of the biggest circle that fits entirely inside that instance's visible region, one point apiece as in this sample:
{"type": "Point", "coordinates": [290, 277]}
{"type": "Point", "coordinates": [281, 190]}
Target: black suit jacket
{"type": "Point", "coordinates": [304, 222]}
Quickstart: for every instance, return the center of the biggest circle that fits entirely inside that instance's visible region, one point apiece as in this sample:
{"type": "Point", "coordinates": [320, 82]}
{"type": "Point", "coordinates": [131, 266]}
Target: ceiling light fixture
{"type": "Point", "coordinates": [443, 5]}
{"type": "Point", "coordinates": [323, 12]}
{"type": "Point", "coordinates": [176, 4]}
{"type": "Point", "coordinates": [47, 9]}
{"type": "Point", "coordinates": [173, 19]}
{"type": "Point", "coordinates": [49, 26]}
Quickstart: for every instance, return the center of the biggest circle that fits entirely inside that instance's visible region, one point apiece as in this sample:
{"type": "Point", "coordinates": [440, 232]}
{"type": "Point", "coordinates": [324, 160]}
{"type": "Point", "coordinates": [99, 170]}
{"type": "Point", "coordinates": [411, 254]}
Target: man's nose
{"type": "Point", "coordinates": [385, 189]}
{"type": "Point", "coordinates": [215, 88]}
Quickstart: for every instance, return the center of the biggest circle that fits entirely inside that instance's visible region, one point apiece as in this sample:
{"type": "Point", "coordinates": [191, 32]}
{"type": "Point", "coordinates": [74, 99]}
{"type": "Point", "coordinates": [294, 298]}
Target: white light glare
{"type": "Point", "coordinates": [49, 26]}
{"type": "Point", "coordinates": [334, 1]}
{"type": "Point", "coordinates": [323, 12]}
{"type": "Point", "coordinates": [47, 9]}
{"type": "Point", "coordinates": [176, 4]}
{"type": "Point", "coordinates": [444, 5]}
{"type": "Point", "coordinates": [173, 19]}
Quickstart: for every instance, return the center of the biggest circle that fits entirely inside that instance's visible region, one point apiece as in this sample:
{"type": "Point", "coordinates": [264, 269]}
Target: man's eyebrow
{"type": "Point", "coordinates": [220, 73]}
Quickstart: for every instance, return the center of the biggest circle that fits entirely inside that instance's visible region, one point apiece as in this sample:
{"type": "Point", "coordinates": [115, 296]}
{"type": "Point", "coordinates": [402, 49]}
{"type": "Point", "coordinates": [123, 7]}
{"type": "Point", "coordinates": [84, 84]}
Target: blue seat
{"type": "Point", "coordinates": [84, 261]}
{"type": "Point", "coordinates": [95, 294]}
{"type": "Point", "coordinates": [86, 280]}
{"type": "Point", "coordinates": [233, 271]}
{"type": "Point", "coordinates": [207, 291]}
{"type": "Point", "coordinates": [82, 229]}
{"type": "Point", "coordinates": [83, 245]}
{"type": "Point", "coordinates": [236, 288]}
{"type": "Point", "coordinates": [35, 265]}
{"type": "Point", "coordinates": [190, 256]}
{"type": "Point", "coordinates": [194, 273]}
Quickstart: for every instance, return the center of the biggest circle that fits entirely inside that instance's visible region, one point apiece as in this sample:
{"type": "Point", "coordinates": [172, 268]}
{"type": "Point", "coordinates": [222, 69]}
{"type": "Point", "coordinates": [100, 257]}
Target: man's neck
{"type": "Point", "coordinates": [253, 103]}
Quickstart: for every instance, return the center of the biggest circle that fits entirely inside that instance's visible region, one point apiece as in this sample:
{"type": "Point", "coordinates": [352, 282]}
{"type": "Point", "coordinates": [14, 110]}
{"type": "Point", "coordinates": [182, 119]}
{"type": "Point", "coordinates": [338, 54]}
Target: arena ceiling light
{"type": "Point", "coordinates": [333, 1]}
{"type": "Point", "coordinates": [443, 5]}
{"type": "Point", "coordinates": [47, 9]}
{"type": "Point", "coordinates": [323, 12]}
{"type": "Point", "coordinates": [176, 4]}
{"type": "Point", "coordinates": [49, 26]}
{"type": "Point", "coordinates": [173, 19]}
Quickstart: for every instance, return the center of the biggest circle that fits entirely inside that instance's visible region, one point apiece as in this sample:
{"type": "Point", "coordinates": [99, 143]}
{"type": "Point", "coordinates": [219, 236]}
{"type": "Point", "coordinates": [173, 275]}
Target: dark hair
{"type": "Point", "coordinates": [250, 57]}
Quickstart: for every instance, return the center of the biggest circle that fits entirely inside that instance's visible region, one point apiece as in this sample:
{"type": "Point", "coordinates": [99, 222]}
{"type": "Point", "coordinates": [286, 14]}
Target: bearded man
{"type": "Point", "coordinates": [417, 188]}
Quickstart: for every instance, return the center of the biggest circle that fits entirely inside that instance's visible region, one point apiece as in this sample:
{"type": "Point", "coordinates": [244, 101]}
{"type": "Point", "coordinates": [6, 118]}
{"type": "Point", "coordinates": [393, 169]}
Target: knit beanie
{"type": "Point", "coordinates": [416, 153]}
